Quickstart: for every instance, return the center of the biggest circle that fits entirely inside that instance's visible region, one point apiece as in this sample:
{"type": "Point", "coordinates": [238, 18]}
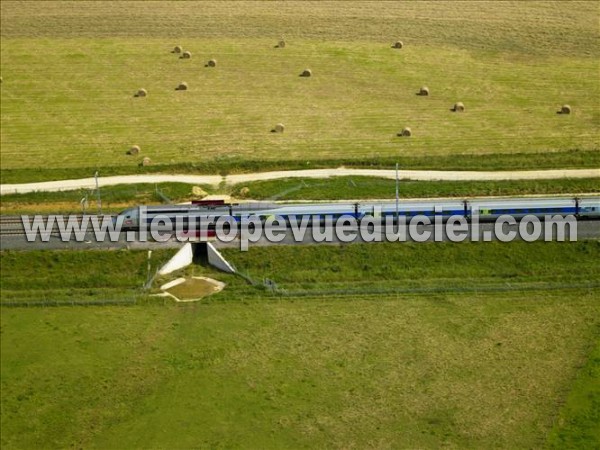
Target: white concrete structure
{"type": "Point", "coordinates": [181, 259]}
{"type": "Point", "coordinates": [215, 259]}
{"type": "Point", "coordinates": [185, 256]}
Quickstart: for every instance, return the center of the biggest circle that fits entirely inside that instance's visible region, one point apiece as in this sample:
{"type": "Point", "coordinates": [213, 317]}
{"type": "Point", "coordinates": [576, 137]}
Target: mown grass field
{"type": "Point", "coordinates": [248, 368]}
{"type": "Point", "coordinates": [116, 198]}
{"type": "Point", "coordinates": [67, 94]}
{"type": "Point", "coordinates": [577, 425]}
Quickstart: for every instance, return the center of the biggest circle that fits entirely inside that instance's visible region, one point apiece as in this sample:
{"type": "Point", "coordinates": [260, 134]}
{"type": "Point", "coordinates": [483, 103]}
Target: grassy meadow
{"type": "Point", "coordinates": [250, 368]}
{"type": "Point", "coordinates": [67, 91]}
{"type": "Point", "coordinates": [577, 425]}
{"type": "Point", "coordinates": [480, 371]}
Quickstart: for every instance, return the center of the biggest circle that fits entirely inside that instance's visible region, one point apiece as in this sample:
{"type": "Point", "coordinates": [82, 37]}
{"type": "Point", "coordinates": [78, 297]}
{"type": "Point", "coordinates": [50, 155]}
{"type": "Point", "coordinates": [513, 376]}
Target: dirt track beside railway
{"type": "Point", "coordinates": [416, 175]}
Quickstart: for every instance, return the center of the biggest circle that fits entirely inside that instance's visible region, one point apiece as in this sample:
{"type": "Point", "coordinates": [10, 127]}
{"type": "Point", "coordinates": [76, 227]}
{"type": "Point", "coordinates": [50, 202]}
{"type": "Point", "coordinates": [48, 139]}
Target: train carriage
{"type": "Point", "coordinates": [485, 209]}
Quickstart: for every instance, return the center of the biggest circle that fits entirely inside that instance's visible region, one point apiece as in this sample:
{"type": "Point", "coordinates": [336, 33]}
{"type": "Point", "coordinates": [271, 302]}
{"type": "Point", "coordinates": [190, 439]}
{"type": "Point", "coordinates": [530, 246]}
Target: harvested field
{"type": "Point", "coordinates": [333, 116]}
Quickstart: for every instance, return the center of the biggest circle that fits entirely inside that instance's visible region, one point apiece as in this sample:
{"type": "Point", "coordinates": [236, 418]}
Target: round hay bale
{"type": "Point", "coordinates": [405, 132]}
{"type": "Point", "coordinates": [183, 86]}
{"type": "Point", "coordinates": [424, 91]}
{"type": "Point", "coordinates": [177, 49]}
{"type": "Point", "coordinates": [565, 109]}
{"type": "Point", "coordinates": [141, 93]}
{"type": "Point", "coordinates": [398, 44]}
{"type": "Point", "coordinates": [1, 80]}
{"type": "Point", "coordinates": [186, 55]}
{"type": "Point", "coordinates": [306, 73]}
{"type": "Point", "coordinates": [244, 192]}
{"type": "Point", "coordinates": [281, 44]}
{"type": "Point", "coordinates": [134, 150]}
{"type": "Point", "coordinates": [146, 161]}
{"type": "Point", "coordinates": [212, 63]}
{"type": "Point", "coordinates": [458, 107]}
{"type": "Point", "coordinates": [279, 128]}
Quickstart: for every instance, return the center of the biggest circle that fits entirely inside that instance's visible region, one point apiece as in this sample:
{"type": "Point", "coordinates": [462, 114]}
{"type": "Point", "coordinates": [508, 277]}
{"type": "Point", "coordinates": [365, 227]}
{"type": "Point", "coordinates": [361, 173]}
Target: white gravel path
{"type": "Point", "coordinates": [417, 175]}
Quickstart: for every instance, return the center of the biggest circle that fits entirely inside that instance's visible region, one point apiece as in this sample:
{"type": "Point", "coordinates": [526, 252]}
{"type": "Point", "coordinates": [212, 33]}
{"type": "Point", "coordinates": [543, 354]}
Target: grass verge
{"type": "Point", "coordinates": [47, 277]}
{"type": "Point", "coordinates": [340, 188]}
{"type": "Point", "coordinates": [390, 267]}
{"type": "Point", "coordinates": [116, 198]}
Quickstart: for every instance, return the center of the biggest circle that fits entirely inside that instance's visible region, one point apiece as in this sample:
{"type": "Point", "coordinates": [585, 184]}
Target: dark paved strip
{"type": "Point", "coordinates": [588, 229]}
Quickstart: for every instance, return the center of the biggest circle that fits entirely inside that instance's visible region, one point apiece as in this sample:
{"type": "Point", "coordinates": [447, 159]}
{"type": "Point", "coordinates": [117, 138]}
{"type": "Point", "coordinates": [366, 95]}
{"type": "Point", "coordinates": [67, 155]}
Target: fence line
{"type": "Point", "coordinates": [55, 303]}
{"type": "Point", "coordinates": [432, 290]}
{"type": "Point", "coordinates": [270, 287]}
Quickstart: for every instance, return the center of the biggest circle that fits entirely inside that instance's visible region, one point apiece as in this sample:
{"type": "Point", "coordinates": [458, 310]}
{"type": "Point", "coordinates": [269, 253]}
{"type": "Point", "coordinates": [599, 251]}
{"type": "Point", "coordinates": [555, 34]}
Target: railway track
{"type": "Point", "coordinates": [13, 225]}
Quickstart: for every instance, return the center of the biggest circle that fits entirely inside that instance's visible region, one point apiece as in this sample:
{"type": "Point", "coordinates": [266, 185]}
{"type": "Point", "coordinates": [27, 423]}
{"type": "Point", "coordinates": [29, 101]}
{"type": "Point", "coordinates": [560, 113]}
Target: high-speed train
{"type": "Point", "coordinates": [485, 209]}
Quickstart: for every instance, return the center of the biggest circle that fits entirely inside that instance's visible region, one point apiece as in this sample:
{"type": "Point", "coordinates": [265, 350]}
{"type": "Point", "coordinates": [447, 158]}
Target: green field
{"type": "Point", "coordinates": [477, 371]}
{"type": "Point", "coordinates": [67, 91]}
{"type": "Point", "coordinates": [577, 425]}
{"type": "Point", "coordinates": [248, 368]}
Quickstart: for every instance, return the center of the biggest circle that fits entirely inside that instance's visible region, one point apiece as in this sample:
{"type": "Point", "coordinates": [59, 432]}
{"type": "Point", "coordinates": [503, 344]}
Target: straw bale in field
{"type": "Point", "coordinates": [134, 150]}
{"type": "Point", "coordinates": [565, 109]}
{"type": "Point", "coordinates": [279, 128]}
